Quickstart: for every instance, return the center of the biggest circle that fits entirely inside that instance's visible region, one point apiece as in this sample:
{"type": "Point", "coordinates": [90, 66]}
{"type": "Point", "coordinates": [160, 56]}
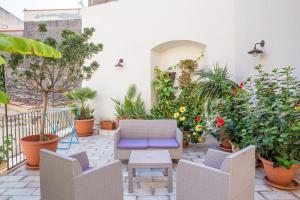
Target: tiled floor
{"type": "Point", "coordinates": [23, 184]}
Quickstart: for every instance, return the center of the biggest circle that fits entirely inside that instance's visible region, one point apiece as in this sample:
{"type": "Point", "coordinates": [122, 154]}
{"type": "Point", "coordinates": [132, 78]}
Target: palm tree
{"type": "Point", "coordinates": [82, 95]}
{"type": "Point", "coordinates": [214, 84]}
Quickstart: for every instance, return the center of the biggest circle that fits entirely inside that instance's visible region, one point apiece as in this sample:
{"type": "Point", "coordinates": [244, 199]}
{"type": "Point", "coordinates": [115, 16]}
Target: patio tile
{"type": "Point", "coordinates": [129, 198]}
{"type": "Point", "coordinates": [4, 197]}
{"type": "Point", "coordinates": [11, 178]}
{"type": "Point", "coordinates": [257, 196]}
{"type": "Point", "coordinates": [13, 184]}
{"type": "Point", "coordinates": [25, 198]}
{"type": "Point", "coordinates": [34, 184]}
{"type": "Point", "coordinates": [296, 193]}
{"type": "Point", "coordinates": [278, 195]}
{"type": "Point", "coordinates": [153, 198]}
{"type": "Point", "coordinates": [31, 178]}
{"type": "Point", "coordinates": [19, 191]}
{"type": "Point", "coordinates": [2, 190]}
{"type": "Point", "coordinates": [149, 184]}
{"type": "Point", "coordinates": [260, 188]}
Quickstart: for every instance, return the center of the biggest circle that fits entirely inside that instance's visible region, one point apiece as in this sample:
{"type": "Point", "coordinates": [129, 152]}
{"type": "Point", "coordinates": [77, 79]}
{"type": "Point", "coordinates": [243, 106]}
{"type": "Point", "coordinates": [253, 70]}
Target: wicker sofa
{"type": "Point", "coordinates": [147, 134]}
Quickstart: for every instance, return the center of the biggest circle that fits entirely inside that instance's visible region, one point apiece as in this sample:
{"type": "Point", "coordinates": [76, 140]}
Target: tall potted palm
{"type": "Point", "coordinates": [45, 75]}
{"type": "Point", "coordinates": [85, 121]}
{"type": "Point", "coordinates": [215, 84]}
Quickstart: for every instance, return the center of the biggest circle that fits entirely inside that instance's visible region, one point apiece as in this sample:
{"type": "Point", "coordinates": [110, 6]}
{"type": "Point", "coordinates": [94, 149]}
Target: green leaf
{"type": "Point", "coordinates": [26, 46]}
{"type": "Point", "coordinates": [2, 60]}
{"type": "Point", "coordinates": [4, 98]}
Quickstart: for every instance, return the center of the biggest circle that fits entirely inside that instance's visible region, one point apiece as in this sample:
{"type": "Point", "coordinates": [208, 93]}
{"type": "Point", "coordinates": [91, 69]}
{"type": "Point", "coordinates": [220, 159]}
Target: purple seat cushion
{"type": "Point", "coordinates": [133, 144]}
{"type": "Point", "coordinates": [168, 143]}
{"type": "Point", "coordinates": [87, 169]}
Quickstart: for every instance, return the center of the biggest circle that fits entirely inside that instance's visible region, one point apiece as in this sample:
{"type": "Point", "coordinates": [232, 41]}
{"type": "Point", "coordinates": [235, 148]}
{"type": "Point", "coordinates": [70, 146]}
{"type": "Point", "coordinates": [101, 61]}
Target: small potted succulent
{"type": "Point", "coordinates": [85, 118]}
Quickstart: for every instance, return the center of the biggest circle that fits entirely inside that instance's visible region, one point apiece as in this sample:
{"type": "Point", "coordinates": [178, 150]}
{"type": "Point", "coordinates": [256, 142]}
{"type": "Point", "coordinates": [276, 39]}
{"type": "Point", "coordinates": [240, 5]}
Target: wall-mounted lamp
{"type": "Point", "coordinates": [120, 63]}
{"type": "Point", "coordinates": [254, 52]}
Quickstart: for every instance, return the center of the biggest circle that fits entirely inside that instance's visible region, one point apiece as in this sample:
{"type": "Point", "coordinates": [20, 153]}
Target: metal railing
{"type": "Point", "coordinates": [26, 124]}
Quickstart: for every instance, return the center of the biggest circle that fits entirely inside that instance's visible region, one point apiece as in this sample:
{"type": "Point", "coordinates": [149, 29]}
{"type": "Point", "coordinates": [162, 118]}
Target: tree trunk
{"type": "Point", "coordinates": [43, 117]}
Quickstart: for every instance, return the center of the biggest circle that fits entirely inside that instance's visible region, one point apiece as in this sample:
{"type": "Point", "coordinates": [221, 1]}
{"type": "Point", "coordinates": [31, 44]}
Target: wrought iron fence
{"type": "Point", "coordinates": [26, 124]}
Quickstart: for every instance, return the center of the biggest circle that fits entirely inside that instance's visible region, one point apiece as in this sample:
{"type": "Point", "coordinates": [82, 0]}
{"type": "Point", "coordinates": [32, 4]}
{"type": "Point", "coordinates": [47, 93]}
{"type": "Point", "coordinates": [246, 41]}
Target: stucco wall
{"type": "Point", "coordinates": [275, 21]}
{"type": "Point", "coordinates": [130, 29]}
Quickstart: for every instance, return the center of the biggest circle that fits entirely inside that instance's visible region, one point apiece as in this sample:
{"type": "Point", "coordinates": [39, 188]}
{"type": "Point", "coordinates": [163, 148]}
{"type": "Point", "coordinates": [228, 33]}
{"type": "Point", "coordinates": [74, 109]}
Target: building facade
{"type": "Point", "coordinates": [148, 33]}
{"type": "Point", "coordinates": [10, 24]}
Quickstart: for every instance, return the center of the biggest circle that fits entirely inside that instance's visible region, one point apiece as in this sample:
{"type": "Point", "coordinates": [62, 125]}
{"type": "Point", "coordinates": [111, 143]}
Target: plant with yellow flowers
{"type": "Point", "coordinates": [198, 129]}
{"type": "Point", "coordinates": [184, 122]}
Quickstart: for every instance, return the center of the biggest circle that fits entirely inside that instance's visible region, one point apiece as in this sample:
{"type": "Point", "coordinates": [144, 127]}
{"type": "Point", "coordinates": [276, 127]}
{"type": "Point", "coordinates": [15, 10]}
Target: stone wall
{"type": "Point", "coordinates": [54, 27]}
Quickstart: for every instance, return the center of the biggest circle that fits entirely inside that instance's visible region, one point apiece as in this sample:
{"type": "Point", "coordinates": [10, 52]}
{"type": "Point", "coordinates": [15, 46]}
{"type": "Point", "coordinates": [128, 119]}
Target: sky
{"type": "Point", "coordinates": [17, 6]}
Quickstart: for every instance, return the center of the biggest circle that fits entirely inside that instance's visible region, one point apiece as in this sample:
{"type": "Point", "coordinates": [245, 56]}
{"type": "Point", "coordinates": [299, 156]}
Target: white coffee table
{"type": "Point", "coordinates": [150, 159]}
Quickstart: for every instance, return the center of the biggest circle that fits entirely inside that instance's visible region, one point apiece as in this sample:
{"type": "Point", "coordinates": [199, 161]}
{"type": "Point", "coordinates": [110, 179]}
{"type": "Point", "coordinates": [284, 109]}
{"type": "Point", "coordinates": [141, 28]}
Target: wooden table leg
{"type": "Point", "coordinates": [170, 179]}
{"type": "Point", "coordinates": [130, 179]}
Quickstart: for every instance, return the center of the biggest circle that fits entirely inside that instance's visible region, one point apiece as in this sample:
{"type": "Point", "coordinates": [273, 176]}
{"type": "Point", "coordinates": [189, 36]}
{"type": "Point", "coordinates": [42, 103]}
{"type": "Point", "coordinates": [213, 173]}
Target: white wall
{"type": "Point", "coordinates": [129, 29]}
{"type": "Point", "coordinates": [275, 21]}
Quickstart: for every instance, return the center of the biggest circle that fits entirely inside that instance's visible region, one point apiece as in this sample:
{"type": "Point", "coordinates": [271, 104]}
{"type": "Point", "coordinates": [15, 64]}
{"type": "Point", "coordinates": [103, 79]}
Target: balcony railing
{"type": "Point", "coordinates": [26, 124]}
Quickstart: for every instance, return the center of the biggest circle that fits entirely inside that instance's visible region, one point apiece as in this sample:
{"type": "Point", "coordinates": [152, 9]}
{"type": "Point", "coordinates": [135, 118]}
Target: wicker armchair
{"type": "Point", "coordinates": [71, 178]}
{"type": "Point", "coordinates": [222, 176]}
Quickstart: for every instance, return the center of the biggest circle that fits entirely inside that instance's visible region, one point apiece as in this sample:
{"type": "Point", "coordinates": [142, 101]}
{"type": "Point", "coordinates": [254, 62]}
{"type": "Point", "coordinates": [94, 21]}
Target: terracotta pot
{"type": "Point", "coordinates": [225, 143]}
{"type": "Point", "coordinates": [84, 127]}
{"type": "Point", "coordinates": [279, 175]}
{"type": "Point", "coordinates": [185, 144]}
{"type": "Point", "coordinates": [32, 145]}
{"type": "Point", "coordinates": [107, 124]}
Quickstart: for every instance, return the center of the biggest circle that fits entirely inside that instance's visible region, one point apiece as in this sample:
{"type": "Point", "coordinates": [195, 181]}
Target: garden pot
{"type": "Point", "coordinates": [84, 127]}
{"type": "Point", "coordinates": [280, 175]}
{"type": "Point", "coordinates": [225, 142]}
{"type": "Point", "coordinates": [185, 144]}
{"type": "Point", "coordinates": [32, 145]}
{"type": "Point", "coordinates": [107, 124]}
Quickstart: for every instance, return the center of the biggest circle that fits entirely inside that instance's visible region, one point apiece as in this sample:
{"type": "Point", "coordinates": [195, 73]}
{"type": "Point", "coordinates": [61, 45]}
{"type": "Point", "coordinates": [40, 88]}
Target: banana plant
{"type": "Point", "coordinates": [24, 46]}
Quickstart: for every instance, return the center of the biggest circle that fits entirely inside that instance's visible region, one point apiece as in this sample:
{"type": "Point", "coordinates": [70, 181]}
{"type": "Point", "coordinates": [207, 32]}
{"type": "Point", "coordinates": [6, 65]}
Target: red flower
{"type": "Point", "coordinates": [220, 121]}
{"type": "Point", "coordinates": [241, 85]}
{"type": "Point", "coordinates": [198, 118]}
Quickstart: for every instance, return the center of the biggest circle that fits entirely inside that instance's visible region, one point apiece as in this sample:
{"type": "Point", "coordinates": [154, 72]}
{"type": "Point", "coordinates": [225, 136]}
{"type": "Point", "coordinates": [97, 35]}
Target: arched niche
{"type": "Point", "coordinates": [169, 54]}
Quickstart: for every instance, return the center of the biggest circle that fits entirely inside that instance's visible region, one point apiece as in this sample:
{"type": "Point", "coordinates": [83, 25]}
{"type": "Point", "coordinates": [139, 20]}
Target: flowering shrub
{"type": "Point", "coordinates": [193, 125]}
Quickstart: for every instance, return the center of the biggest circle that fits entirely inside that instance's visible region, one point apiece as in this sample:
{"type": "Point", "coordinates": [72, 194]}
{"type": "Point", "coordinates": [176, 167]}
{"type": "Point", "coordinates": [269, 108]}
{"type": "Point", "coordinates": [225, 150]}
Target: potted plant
{"type": "Point", "coordinates": [277, 115]}
{"type": "Point", "coordinates": [184, 123]}
{"type": "Point", "coordinates": [107, 124]}
{"type": "Point", "coordinates": [45, 75]}
{"type": "Point", "coordinates": [85, 118]}
{"type": "Point", "coordinates": [132, 107]}
{"type": "Point", "coordinates": [198, 130]}
{"type": "Point", "coordinates": [4, 151]}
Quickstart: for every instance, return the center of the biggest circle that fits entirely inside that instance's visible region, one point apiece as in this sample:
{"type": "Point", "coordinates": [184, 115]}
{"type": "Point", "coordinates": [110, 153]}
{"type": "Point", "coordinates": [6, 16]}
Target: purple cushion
{"type": "Point", "coordinates": [163, 143]}
{"type": "Point", "coordinates": [87, 169]}
{"type": "Point", "coordinates": [133, 144]}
